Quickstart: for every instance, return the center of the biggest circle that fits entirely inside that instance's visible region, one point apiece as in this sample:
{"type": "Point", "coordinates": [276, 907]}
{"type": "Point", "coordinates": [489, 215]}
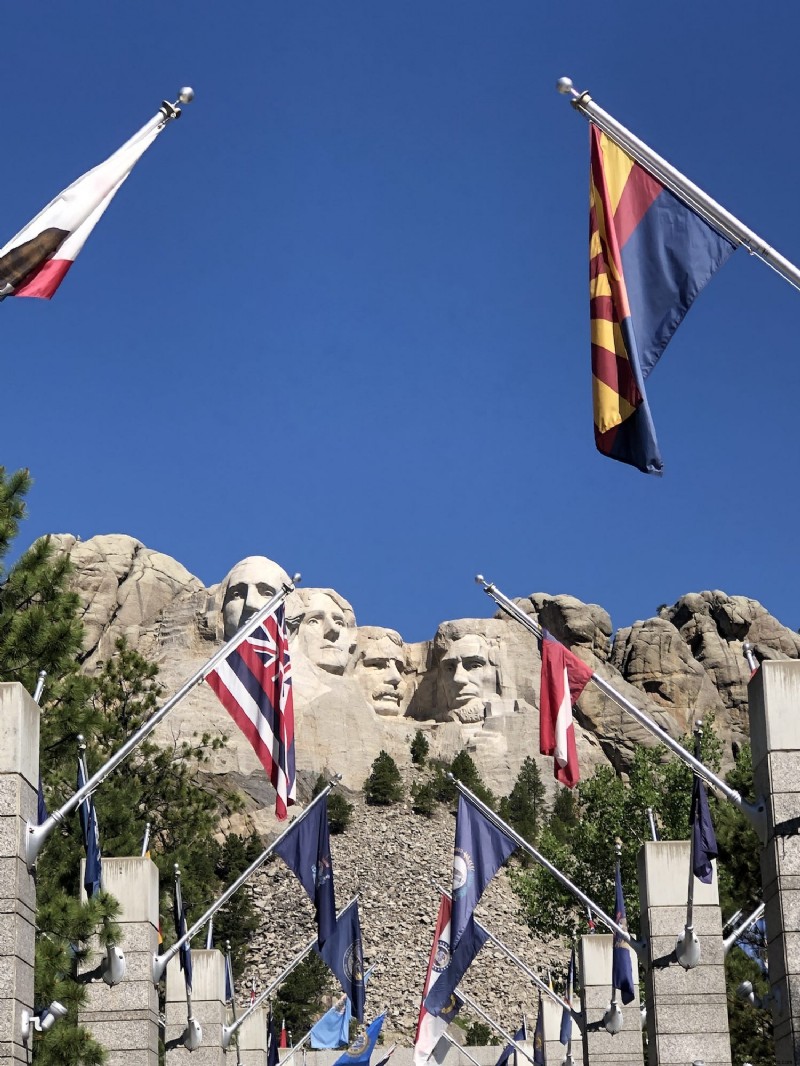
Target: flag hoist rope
{"type": "Point", "coordinates": [540, 984]}
{"type": "Point", "coordinates": [638, 946]}
{"type": "Point", "coordinates": [36, 835]}
{"type": "Point", "coordinates": [692, 195]}
{"type": "Point", "coordinates": [755, 812]}
{"type": "Point", "coordinates": [160, 961]}
{"type": "Point", "coordinates": [229, 1030]}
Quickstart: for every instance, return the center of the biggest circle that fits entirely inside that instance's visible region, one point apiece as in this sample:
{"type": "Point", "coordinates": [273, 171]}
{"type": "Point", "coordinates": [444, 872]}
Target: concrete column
{"type": "Point", "coordinates": [253, 1041]}
{"type": "Point", "coordinates": [554, 1051]}
{"type": "Point", "coordinates": [19, 780]}
{"type": "Point", "coordinates": [595, 970]}
{"type": "Point", "coordinates": [774, 695]}
{"type": "Point", "coordinates": [208, 1008]}
{"type": "Point", "coordinates": [124, 1019]}
{"type": "Point", "coordinates": [687, 1015]}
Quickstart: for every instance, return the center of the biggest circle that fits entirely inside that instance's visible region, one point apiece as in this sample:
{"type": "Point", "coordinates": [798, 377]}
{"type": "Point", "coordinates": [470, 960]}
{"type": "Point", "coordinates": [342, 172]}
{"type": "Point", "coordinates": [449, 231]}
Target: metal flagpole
{"type": "Point", "coordinates": [540, 984]}
{"type": "Point", "coordinates": [652, 821]}
{"type": "Point", "coordinates": [160, 961]}
{"type": "Point", "coordinates": [37, 695]}
{"type": "Point", "coordinates": [146, 839]}
{"type": "Point", "coordinates": [229, 1030]}
{"type": "Point", "coordinates": [342, 999]}
{"type": "Point", "coordinates": [687, 946]}
{"type": "Point", "coordinates": [506, 1036]}
{"type": "Point", "coordinates": [731, 939]}
{"type": "Point", "coordinates": [692, 195]}
{"type": "Point", "coordinates": [300, 1044]}
{"type": "Point", "coordinates": [229, 966]}
{"type": "Point", "coordinates": [637, 945]}
{"type": "Point", "coordinates": [756, 813]}
{"type": "Point", "coordinates": [36, 835]}
{"type": "Point", "coordinates": [192, 1026]}
{"type": "Point", "coordinates": [461, 1050]}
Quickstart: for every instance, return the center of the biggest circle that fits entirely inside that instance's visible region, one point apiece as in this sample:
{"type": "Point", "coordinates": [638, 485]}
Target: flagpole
{"type": "Point", "coordinates": [731, 939]}
{"type": "Point", "coordinates": [342, 999]}
{"type": "Point", "coordinates": [692, 195]}
{"type": "Point", "coordinates": [687, 947]}
{"type": "Point", "coordinates": [755, 812]}
{"type": "Point", "coordinates": [540, 984]}
{"type": "Point", "coordinates": [37, 835]}
{"type": "Point", "coordinates": [296, 1047]}
{"type": "Point", "coordinates": [160, 961]}
{"type": "Point", "coordinates": [638, 946]}
{"type": "Point", "coordinates": [229, 1030]}
{"type": "Point", "coordinates": [229, 965]}
{"type": "Point", "coordinates": [506, 1036]}
{"type": "Point", "coordinates": [179, 909]}
{"type": "Point", "coordinates": [461, 1050]}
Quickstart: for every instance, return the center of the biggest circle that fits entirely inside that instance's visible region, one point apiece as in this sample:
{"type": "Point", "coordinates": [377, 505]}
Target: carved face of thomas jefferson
{"type": "Point", "coordinates": [325, 629]}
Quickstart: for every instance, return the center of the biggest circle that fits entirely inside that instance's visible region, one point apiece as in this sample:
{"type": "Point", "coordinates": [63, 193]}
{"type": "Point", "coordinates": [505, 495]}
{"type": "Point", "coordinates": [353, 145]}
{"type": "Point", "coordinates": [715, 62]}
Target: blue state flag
{"type": "Point", "coordinates": [480, 850]}
{"type": "Point", "coordinates": [538, 1038]}
{"type": "Point", "coordinates": [455, 966]}
{"type": "Point", "coordinates": [520, 1035]}
{"type": "Point", "coordinates": [41, 806]}
{"type": "Point", "coordinates": [621, 969]}
{"type": "Point", "coordinates": [344, 955]}
{"type": "Point", "coordinates": [333, 1028]}
{"type": "Point", "coordinates": [704, 839]}
{"type": "Point", "coordinates": [273, 1055]}
{"type": "Point", "coordinates": [306, 850]}
{"type": "Point", "coordinates": [185, 952]}
{"type": "Point", "coordinates": [92, 874]}
{"type": "Point", "coordinates": [566, 1016]}
{"type": "Point", "coordinates": [363, 1045]}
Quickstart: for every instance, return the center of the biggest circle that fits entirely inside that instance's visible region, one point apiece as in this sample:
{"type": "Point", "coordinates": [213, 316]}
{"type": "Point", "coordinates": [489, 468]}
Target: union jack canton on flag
{"type": "Point", "coordinates": [254, 685]}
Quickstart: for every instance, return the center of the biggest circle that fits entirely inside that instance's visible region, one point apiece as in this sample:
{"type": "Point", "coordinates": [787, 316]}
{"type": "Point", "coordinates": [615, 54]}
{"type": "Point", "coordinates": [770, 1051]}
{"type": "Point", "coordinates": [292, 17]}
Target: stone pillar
{"type": "Point", "coordinates": [774, 695]}
{"type": "Point", "coordinates": [595, 970]}
{"type": "Point", "coordinates": [253, 1041]}
{"type": "Point", "coordinates": [554, 1051]}
{"type": "Point", "coordinates": [687, 1014]}
{"type": "Point", "coordinates": [19, 781]}
{"type": "Point", "coordinates": [124, 1019]}
{"type": "Point", "coordinates": [208, 1008]}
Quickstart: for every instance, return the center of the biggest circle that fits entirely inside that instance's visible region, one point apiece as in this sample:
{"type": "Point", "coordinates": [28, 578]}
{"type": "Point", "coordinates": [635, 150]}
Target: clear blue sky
{"type": "Point", "coordinates": [338, 315]}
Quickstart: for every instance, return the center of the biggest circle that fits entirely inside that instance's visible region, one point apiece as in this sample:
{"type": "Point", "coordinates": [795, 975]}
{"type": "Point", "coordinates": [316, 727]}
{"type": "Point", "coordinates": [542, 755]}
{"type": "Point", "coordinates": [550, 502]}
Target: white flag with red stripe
{"type": "Point", "coordinates": [36, 260]}
{"type": "Point", "coordinates": [564, 677]}
{"type": "Point", "coordinates": [431, 1028]}
{"type": "Point", "coordinates": [254, 684]}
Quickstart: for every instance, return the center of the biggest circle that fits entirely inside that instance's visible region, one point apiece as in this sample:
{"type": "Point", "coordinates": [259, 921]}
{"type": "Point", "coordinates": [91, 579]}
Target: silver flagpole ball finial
{"type": "Point", "coordinates": [479, 579]}
{"type": "Point", "coordinates": [186, 95]}
{"type": "Point", "coordinates": [564, 85]}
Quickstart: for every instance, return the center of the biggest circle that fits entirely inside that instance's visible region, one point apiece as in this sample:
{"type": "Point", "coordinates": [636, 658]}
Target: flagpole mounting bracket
{"type": "Point", "coordinates": [185, 96]}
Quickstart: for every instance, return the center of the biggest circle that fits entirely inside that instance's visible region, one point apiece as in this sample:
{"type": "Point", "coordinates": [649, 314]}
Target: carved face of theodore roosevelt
{"type": "Point", "coordinates": [379, 669]}
{"type": "Point", "coordinates": [247, 587]}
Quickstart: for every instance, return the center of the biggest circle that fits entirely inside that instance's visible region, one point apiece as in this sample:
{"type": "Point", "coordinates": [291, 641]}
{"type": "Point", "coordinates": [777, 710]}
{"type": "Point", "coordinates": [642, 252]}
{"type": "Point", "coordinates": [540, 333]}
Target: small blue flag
{"type": "Point", "coordinates": [185, 953]}
{"type": "Point", "coordinates": [455, 966]}
{"type": "Point", "coordinates": [41, 806]}
{"type": "Point", "coordinates": [566, 1017]}
{"type": "Point", "coordinates": [538, 1038]}
{"type": "Point", "coordinates": [306, 850]}
{"type": "Point", "coordinates": [92, 875]}
{"type": "Point", "coordinates": [480, 850]}
{"type": "Point", "coordinates": [621, 969]}
{"type": "Point", "coordinates": [273, 1055]}
{"type": "Point", "coordinates": [520, 1035]}
{"type": "Point", "coordinates": [704, 840]}
{"type": "Point", "coordinates": [333, 1028]}
{"type": "Point", "coordinates": [344, 955]}
{"type": "Point", "coordinates": [363, 1045]}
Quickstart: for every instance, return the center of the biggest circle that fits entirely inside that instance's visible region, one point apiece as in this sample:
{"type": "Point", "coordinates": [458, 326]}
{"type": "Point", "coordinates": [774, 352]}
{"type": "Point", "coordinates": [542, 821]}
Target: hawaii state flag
{"type": "Point", "coordinates": [564, 677]}
{"type": "Point", "coordinates": [649, 257]}
{"type": "Point", "coordinates": [36, 260]}
{"type": "Point", "coordinates": [254, 685]}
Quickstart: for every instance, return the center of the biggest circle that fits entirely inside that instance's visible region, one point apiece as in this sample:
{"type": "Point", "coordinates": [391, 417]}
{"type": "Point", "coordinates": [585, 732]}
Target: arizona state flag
{"type": "Point", "coordinates": [649, 257]}
{"type": "Point", "coordinates": [35, 261]}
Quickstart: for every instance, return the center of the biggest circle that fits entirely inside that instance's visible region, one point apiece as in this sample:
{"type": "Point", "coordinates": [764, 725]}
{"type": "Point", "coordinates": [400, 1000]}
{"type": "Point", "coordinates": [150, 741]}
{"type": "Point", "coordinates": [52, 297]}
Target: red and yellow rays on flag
{"type": "Point", "coordinates": [649, 256]}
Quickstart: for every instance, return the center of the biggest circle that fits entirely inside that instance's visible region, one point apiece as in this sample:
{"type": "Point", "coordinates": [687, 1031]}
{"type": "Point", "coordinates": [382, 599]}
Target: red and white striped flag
{"type": "Point", "coordinates": [564, 677]}
{"type": "Point", "coordinates": [254, 684]}
{"type": "Point", "coordinates": [430, 1027]}
{"type": "Point", "coordinates": [35, 261]}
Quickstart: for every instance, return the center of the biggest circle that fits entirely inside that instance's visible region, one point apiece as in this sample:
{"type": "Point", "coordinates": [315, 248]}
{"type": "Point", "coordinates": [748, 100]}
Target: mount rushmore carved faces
{"type": "Point", "coordinates": [324, 628]}
{"type": "Point", "coordinates": [248, 586]}
{"type": "Point", "coordinates": [379, 668]}
{"type": "Point", "coordinates": [468, 672]}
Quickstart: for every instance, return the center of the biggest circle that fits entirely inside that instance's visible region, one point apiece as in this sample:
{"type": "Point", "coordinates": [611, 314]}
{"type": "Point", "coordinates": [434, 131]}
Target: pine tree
{"type": "Point", "coordinates": [419, 748]}
{"type": "Point", "coordinates": [340, 812]}
{"type": "Point", "coordinates": [299, 998]}
{"type": "Point", "coordinates": [524, 808]}
{"type": "Point", "coordinates": [384, 786]}
{"type": "Point", "coordinates": [423, 798]}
